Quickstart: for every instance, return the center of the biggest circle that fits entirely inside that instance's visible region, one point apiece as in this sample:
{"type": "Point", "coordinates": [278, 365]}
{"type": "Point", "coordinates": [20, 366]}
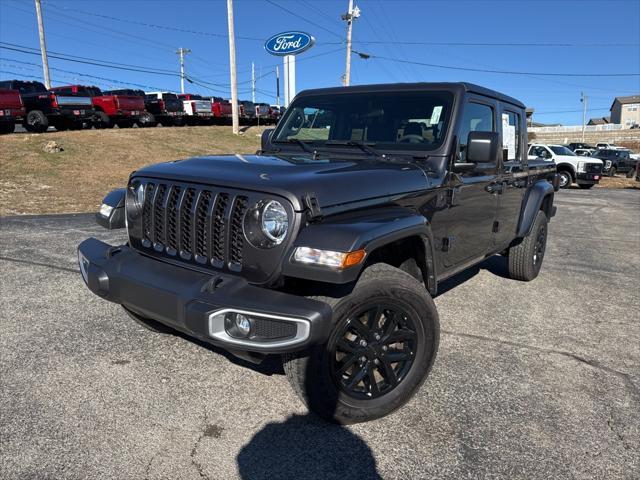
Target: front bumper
{"type": "Point", "coordinates": [192, 302]}
{"type": "Point", "coordinates": [588, 178]}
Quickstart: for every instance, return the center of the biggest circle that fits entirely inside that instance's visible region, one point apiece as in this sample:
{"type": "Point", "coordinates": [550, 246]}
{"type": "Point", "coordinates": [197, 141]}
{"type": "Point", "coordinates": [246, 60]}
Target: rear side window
{"type": "Point", "coordinates": [511, 136]}
{"type": "Point", "coordinates": [477, 118]}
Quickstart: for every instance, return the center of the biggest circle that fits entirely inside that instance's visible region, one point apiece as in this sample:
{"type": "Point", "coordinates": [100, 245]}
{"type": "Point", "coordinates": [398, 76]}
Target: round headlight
{"type": "Point", "coordinates": [274, 221]}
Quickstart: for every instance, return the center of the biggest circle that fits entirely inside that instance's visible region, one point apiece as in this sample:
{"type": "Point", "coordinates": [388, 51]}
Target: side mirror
{"type": "Point", "coordinates": [482, 147]}
{"type": "Point", "coordinates": [111, 214]}
{"type": "Point", "coordinates": [265, 140]}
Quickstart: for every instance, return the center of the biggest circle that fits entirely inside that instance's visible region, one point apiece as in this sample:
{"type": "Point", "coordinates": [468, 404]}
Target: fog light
{"type": "Point", "coordinates": [237, 325]}
{"type": "Point", "coordinates": [243, 324]}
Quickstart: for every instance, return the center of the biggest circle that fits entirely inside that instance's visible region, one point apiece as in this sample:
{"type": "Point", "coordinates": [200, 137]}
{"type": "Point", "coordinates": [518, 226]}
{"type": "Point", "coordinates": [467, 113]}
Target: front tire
{"type": "Point", "coordinates": [586, 186]}
{"type": "Point", "coordinates": [147, 120]}
{"type": "Point", "coordinates": [612, 172]}
{"type": "Point", "coordinates": [565, 179]}
{"type": "Point", "coordinates": [525, 259]}
{"type": "Point", "coordinates": [383, 344]}
{"type": "Point", "coordinates": [102, 120]}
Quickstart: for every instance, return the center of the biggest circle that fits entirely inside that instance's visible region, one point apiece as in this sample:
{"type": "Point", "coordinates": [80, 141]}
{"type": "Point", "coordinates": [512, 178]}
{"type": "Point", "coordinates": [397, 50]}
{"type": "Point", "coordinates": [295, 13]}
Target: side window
{"type": "Point", "coordinates": [476, 118]}
{"type": "Point", "coordinates": [511, 137]}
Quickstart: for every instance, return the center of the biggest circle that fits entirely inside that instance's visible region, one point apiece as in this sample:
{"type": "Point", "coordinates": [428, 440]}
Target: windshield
{"type": "Point", "coordinates": [398, 120]}
{"type": "Point", "coordinates": [562, 151]}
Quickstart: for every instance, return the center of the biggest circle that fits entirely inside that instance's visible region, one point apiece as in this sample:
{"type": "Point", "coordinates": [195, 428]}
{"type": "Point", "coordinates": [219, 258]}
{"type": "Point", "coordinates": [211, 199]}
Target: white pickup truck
{"type": "Point", "coordinates": [197, 109]}
{"type": "Point", "coordinates": [585, 171]}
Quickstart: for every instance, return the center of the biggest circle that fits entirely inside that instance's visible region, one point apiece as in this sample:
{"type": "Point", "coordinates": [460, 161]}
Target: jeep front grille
{"type": "Point", "coordinates": [196, 224]}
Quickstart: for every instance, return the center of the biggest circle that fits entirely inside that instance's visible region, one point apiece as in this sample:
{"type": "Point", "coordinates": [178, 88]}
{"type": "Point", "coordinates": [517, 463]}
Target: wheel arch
{"type": "Point", "coordinates": [390, 236]}
{"type": "Point", "coordinates": [567, 167]}
{"type": "Point", "coordinates": [539, 197]}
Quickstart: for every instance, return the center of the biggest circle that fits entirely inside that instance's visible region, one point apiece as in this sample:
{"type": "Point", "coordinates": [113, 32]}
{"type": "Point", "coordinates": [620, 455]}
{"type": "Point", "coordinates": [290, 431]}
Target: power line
{"type": "Point", "coordinates": [505, 72]}
{"type": "Point", "coordinates": [271, 2]}
{"type": "Point", "coordinates": [465, 44]}
{"type": "Point", "coordinates": [92, 59]}
{"type": "Point", "coordinates": [152, 25]}
{"type": "Point", "coordinates": [574, 111]}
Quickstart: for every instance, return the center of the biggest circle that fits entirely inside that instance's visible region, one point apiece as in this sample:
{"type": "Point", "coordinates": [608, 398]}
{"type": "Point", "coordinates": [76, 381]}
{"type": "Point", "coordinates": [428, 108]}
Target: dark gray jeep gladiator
{"type": "Point", "coordinates": [328, 245]}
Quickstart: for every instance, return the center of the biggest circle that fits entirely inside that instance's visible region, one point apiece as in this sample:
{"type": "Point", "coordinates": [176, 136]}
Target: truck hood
{"type": "Point", "coordinates": [333, 182]}
{"type": "Point", "coordinates": [576, 159]}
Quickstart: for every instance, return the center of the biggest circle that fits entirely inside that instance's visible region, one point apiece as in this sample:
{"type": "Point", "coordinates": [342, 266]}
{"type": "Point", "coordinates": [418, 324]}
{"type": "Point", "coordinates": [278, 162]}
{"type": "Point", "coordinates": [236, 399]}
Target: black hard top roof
{"type": "Point", "coordinates": [455, 87]}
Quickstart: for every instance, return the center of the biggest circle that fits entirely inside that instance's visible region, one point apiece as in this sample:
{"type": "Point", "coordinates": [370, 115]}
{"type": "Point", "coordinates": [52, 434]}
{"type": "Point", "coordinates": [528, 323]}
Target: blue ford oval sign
{"type": "Point", "coordinates": [289, 43]}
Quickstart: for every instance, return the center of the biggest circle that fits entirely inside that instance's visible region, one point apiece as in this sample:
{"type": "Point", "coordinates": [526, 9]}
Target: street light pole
{"type": "Point", "coordinates": [182, 52]}
{"type": "Point", "coordinates": [352, 14]}
{"type": "Point", "coordinates": [584, 99]}
{"type": "Point", "coordinates": [232, 67]}
{"type": "Point", "coordinates": [43, 46]}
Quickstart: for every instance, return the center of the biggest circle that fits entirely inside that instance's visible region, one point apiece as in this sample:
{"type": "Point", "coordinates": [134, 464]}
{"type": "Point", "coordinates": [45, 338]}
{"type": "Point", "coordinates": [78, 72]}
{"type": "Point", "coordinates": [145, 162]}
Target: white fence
{"type": "Point", "coordinates": [577, 128]}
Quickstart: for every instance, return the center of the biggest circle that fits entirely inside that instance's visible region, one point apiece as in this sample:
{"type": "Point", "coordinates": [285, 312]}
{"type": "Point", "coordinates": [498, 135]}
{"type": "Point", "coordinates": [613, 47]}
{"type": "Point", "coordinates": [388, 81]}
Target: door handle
{"type": "Point", "coordinates": [495, 188]}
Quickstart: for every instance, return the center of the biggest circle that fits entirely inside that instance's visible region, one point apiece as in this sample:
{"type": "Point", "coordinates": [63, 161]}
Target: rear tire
{"type": "Point", "coordinates": [102, 120]}
{"type": "Point", "coordinates": [7, 127]}
{"type": "Point", "coordinates": [612, 172]}
{"type": "Point", "coordinates": [361, 373]}
{"type": "Point", "coordinates": [525, 259]}
{"type": "Point", "coordinates": [147, 120]}
{"type": "Point", "coordinates": [124, 124]}
{"type": "Point", "coordinates": [36, 122]}
{"type": "Point", "coordinates": [147, 323]}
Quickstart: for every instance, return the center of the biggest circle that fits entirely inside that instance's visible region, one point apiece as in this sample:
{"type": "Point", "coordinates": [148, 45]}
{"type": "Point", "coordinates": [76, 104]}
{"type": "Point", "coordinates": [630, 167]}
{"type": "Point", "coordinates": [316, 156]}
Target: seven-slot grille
{"type": "Point", "coordinates": [197, 224]}
{"type": "Point", "coordinates": [593, 168]}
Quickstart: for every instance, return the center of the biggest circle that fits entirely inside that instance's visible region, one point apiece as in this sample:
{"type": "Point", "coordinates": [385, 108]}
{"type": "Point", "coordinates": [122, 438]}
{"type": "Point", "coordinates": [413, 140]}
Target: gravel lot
{"type": "Point", "coordinates": [533, 380]}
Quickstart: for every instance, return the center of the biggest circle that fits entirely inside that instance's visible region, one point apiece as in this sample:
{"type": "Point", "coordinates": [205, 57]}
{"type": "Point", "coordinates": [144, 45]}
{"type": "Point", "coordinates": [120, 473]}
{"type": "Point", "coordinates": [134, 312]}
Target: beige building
{"type": "Point", "coordinates": [626, 111]}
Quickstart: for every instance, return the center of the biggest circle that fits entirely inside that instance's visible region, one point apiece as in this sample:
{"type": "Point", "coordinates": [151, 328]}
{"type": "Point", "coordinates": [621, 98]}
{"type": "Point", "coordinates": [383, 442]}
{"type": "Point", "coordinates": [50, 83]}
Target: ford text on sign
{"type": "Point", "coordinates": [289, 43]}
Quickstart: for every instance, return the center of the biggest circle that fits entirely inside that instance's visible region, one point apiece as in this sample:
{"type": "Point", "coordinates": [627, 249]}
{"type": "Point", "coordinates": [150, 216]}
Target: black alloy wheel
{"type": "Point", "coordinates": [373, 350]}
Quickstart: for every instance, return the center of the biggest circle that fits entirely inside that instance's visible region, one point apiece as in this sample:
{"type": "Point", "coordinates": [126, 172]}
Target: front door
{"type": "Point", "coordinates": [470, 218]}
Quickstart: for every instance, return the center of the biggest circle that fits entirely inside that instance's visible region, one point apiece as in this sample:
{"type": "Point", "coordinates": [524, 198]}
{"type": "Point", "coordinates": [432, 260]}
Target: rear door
{"type": "Point", "coordinates": [513, 175]}
{"type": "Point", "coordinates": [473, 207]}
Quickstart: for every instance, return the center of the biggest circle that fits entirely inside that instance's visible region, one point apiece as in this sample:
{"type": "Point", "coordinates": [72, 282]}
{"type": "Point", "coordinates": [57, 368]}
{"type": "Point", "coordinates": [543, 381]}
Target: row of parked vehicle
{"type": "Point", "coordinates": [74, 107]}
{"type": "Point", "coordinates": [584, 164]}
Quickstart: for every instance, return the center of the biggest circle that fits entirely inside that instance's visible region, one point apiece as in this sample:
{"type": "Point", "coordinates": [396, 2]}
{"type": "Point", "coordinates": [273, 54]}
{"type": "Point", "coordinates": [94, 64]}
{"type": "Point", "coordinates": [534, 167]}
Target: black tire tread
{"type": "Point", "coordinates": [520, 265]}
{"type": "Point", "coordinates": [296, 364]}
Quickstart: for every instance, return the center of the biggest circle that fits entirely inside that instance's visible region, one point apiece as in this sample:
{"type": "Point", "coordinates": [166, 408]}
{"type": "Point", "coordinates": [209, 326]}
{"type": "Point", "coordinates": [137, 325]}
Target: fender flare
{"type": "Point", "coordinates": [369, 233]}
{"type": "Point", "coordinates": [532, 203]}
{"type": "Point", "coordinates": [567, 166]}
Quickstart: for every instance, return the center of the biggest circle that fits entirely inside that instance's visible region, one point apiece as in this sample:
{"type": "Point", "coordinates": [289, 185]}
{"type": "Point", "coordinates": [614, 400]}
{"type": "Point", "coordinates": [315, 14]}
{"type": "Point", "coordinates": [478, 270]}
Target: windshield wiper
{"type": "Point", "coordinates": [304, 145]}
{"type": "Point", "coordinates": [366, 148]}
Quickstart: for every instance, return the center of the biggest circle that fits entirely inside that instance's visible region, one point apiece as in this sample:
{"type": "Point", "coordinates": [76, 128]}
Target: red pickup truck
{"type": "Point", "coordinates": [221, 109]}
{"type": "Point", "coordinates": [110, 109]}
{"type": "Point", "coordinates": [11, 110]}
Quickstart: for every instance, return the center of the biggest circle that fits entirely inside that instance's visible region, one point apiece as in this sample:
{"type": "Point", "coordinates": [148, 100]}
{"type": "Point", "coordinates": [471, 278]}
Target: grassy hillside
{"type": "Point", "coordinates": [93, 162]}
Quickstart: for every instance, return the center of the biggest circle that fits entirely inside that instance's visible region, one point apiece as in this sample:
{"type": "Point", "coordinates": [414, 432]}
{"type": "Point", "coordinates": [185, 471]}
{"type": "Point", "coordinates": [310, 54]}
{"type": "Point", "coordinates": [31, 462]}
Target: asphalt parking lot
{"type": "Point", "coordinates": [532, 380]}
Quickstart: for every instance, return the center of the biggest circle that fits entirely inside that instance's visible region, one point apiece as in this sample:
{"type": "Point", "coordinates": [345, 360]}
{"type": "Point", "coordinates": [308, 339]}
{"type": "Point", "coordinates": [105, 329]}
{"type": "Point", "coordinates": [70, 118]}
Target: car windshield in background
{"type": "Point", "coordinates": [407, 120]}
{"type": "Point", "coordinates": [562, 151]}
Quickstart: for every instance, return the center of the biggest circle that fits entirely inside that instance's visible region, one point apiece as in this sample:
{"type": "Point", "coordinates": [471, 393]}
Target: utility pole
{"type": "Point", "coordinates": [253, 82]}
{"type": "Point", "coordinates": [278, 86]}
{"type": "Point", "coordinates": [182, 52]}
{"type": "Point", "coordinates": [43, 46]}
{"type": "Point", "coordinates": [232, 68]}
{"type": "Point", "coordinates": [584, 99]}
{"type": "Point", "coordinates": [351, 15]}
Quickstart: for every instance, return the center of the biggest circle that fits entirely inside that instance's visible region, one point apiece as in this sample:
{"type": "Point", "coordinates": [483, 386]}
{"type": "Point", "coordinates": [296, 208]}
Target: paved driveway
{"type": "Point", "coordinates": [533, 380]}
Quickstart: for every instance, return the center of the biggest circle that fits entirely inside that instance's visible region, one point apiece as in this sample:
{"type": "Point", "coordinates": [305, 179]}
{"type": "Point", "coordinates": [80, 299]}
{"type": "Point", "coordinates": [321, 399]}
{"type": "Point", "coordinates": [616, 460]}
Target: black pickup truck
{"type": "Point", "coordinates": [46, 108]}
{"type": "Point", "coordinates": [328, 245]}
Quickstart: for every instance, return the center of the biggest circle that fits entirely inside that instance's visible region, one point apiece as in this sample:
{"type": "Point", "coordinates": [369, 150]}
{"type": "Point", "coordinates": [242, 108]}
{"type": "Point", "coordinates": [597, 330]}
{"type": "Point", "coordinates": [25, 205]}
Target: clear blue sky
{"type": "Point", "coordinates": [72, 30]}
